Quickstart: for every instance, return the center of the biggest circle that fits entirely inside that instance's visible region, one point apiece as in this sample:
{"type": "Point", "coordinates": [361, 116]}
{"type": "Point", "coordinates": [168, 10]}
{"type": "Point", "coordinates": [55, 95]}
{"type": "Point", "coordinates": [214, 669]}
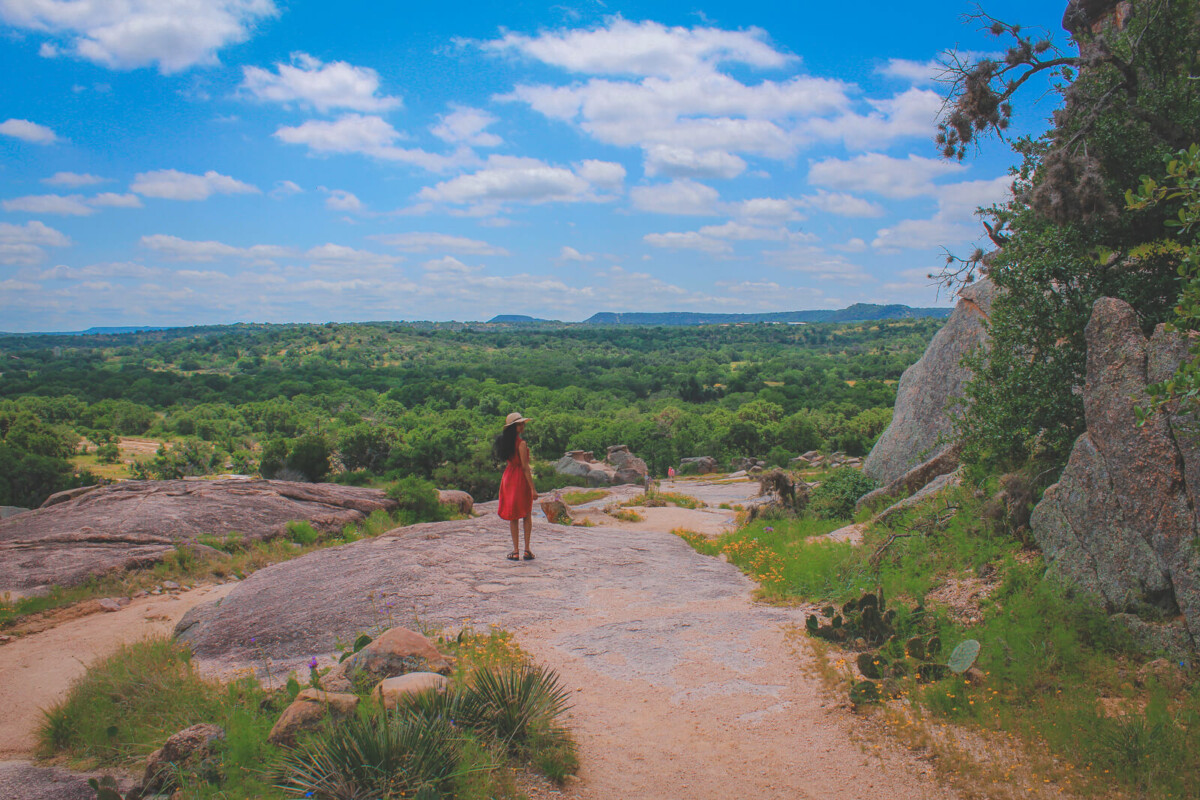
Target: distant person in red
{"type": "Point", "coordinates": [516, 487]}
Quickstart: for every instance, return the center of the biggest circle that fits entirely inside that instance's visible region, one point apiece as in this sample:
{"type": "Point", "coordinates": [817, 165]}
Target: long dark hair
{"type": "Point", "coordinates": [506, 443]}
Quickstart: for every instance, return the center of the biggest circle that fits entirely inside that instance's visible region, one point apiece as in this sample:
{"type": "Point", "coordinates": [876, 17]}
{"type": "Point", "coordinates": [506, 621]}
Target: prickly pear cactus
{"type": "Point", "coordinates": [963, 657]}
{"type": "Point", "coordinates": [812, 623]}
{"type": "Point", "coordinates": [868, 599]}
{"type": "Point", "coordinates": [933, 646]}
{"type": "Point", "coordinates": [915, 647]}
{"type": "Point", "coordinates": [872, 665]}
{"type": "Point", "coordinates": [928, 672]}
{"type": "Point", "coordinates": [864, 692]}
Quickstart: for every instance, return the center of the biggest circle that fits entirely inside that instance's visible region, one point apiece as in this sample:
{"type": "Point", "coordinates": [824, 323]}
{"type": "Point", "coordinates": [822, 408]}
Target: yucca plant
{"type": "Point", "coordinates": [376, 758]}
{"type": "Point", "coordinates": [514, 705]}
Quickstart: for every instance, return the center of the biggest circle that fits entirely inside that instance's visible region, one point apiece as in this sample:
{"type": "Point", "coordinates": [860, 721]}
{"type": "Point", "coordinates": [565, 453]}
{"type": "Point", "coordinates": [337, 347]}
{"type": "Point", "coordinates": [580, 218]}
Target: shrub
{"type": "Point", "coordinates": [108, 453]}
{"type": "Point", "coordinates": [418, 501]}
{"type": "Point", "coordinates": [302, 532]}
{"type": "Point", "coordinates": [837, 494]}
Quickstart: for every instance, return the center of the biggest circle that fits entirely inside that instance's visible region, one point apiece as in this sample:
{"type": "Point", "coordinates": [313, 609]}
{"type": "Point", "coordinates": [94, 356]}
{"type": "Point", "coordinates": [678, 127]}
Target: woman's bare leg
{"type": "Point", "coordinates": [528, 531]}
{"type": "Point", "coordinates": [512, 528]}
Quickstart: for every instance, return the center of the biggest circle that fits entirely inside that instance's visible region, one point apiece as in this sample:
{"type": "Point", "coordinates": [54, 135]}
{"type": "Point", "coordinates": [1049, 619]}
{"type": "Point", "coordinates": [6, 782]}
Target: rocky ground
{"type": "Point", "coordinates": [684, 687]}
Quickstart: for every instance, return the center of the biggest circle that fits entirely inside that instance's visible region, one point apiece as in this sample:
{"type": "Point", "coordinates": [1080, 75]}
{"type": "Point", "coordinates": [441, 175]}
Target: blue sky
{"type": "Point", "coordinates": [177, 162]}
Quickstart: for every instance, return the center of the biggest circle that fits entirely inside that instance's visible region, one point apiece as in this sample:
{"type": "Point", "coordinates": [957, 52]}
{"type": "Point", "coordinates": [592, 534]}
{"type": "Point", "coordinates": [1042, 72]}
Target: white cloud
{"type": "Point", "coordinates": [175, 185]}
{"type": "Point", "coordinates": [123, 269]}
{"type": "Point", "coordinates": [424, 242]}
{"type": "Point", "coordinates": [818, 262]}
{"type": "Point", "coordinates": [915, 72]}
{"type": "Point", "coordinates": [900, 178]}
{"type": "Point", "coordinates": [841, 204]}
{"type": "Point", "coordinates": [767, 210]}
{"type": "Point", "coordinates": [24, 244]}
{"type": "Point", "coordinates": [854, 245]}
{"type": "Point", "coordinates": [923, 233]}
{"type": "Point", "coordinates": [285, 189]}
{"type": "Point", "coordinates": [307, 81]}
{"type": "Point", "coordinates": [448, 267]}
{"type": "Point", "coordinates": [570, 254]}
{"type": "Point", "coordinates": [341, 200]}
{"type": "Point", "coordinates": [911, 113]}
{"type": "Point", "coordinates": [511, 179]}
{"type": "Point", "coordinates": [605, 174]}
{"type": "Point", "coordinates": [746, 233]}
{"type": "Point", "coordinates": [336, 255]}
{"type": "Point", "coordinates": [174, 34]}
{"type": "Point", "coordinates": [684, 162]}
{"type": "Point", "coordinates": [114, 200]}
{"type": "Point", "coordinates": [684, 197]}
{"type": "Point", "coordinates": [964, 197]}
{"type": "Point", "coordinates": [25, 130]}
{"type": "Point", "coordinates": [367, 135]}
{"type": "Point", "coordinates": [178, 249]}
{"type": "Point", "coordinates": [645, 48]}
{"type": "Point", "coordinates": [70, 205]}
{"type": "Point", "coordinates": [688, 240]}
{"type": "Point", "coordinates": [73, 179]}
{"type": "Point", "coordinates": [467, 126]}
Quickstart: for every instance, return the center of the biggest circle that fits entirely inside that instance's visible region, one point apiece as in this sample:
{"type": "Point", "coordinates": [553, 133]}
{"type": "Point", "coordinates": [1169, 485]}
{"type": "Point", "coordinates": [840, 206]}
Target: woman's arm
{"type": "Point", "coordinates": [524, 451]}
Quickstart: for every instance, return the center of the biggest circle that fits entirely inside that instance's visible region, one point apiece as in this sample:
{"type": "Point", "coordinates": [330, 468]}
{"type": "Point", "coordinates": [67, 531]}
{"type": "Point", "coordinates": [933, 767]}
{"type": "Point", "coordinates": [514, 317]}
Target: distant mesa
{"type": "Point", "coordinates": [515, 319]}
{"type": "Point", "coordinates": [859, 312]}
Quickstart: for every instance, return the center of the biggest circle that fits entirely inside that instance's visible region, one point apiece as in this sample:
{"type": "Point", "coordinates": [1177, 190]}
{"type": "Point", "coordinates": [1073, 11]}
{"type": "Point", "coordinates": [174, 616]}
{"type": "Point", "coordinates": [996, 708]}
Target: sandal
{"type": "Point", "coordinates": [528, 556]}
{"type": "Point", "coordinates": [514, 556]}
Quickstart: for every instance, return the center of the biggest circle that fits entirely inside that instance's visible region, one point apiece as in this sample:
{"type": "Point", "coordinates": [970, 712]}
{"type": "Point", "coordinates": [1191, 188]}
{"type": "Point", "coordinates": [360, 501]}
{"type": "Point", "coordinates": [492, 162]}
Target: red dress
{"type": "Point", "coordinates": [516, 500]}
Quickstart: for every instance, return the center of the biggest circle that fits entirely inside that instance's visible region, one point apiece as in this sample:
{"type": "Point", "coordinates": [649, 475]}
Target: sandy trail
{"type": "Point", "coordinates": [40, 668]}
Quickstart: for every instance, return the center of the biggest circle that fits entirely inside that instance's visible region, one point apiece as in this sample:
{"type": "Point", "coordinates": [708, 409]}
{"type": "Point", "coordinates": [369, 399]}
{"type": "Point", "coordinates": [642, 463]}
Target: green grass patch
{"type": "Point", "coordinates": [627, 515]}
{"type": "Point", "coordinates": [586, 496]}
{"type": "Point", "coordinates": [660, 499]}
{"type": "Point", "coordinates": [1049, 652]}
{"type": "Point", "coordinates": [501, 711]}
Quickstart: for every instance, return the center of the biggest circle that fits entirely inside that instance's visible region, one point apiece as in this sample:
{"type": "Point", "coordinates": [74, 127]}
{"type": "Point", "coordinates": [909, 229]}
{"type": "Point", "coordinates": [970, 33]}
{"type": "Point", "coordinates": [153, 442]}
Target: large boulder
{"type": "Point", "coordinates": [457, 498]}
{"type": "Point", "coordinates": [1122, 519]}
{"type": "Point", "coordinates": [921, 422]}
{"type": "Point", "coordinates": [620, 466]}
{"type": "Point", "coordinates": [395, 652]}
{"type": "Point", "coordinates": [700, 464]}
{"type": "Point", "coordinates": [943, 463]}
{"type": "Point", "coordinates": [136, 523]}
{"type": "Point", "coordinates": [193, 752]}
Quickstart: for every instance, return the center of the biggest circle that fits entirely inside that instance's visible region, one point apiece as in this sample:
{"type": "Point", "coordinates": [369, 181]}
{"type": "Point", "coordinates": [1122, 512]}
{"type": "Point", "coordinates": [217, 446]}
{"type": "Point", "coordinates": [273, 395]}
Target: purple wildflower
{"type": "Point", "coordinates": [313, 664]}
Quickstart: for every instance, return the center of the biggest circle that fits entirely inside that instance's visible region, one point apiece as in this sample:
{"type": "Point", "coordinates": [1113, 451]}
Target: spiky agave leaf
{"type": "Point", "coordinates": [514, 703]}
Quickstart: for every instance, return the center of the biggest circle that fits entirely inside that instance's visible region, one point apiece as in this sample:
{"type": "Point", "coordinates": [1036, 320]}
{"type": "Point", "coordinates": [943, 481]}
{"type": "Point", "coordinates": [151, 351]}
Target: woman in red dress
{"type": "Point", "coordinates": [516, 486]}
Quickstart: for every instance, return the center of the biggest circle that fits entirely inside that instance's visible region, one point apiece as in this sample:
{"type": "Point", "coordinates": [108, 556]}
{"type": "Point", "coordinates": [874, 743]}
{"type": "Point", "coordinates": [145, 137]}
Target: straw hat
{"type": "Point", "coordinates": [514, 418]}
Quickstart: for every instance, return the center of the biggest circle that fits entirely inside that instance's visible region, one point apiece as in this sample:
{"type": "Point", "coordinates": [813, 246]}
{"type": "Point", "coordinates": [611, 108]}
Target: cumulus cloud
{"type": "Point", "coordinates": [953, 223]}
{"type": "Point", "coordinates": [309, 82]}
{"type": "Point", "coordinates": [25, 245]}
{"type": "Point", "coordinates": [915, 72]}
{"type": "Point", "coordinates": [68, 205]}
{"type": "Point", "coordinates": [900, 178]}
{"type": "Point", "coordinates": [25, 130]}
{"type": "Point", "coordinates": [767, 210]}
{"type": "Point", "coordinates": [688, 240]}
{"type": "Point", "coordinates": [841, 204]}
{"type": "Point", "coordinates": [114, 200]}
{"type": "Point", "coordinates": [818, 262]}
{"type": "Point", "coordinates": [337, 255]}
{"type": "Point", "coordinates": [425, 242]}
{"type": "Point", "coordinates": [467, 126]}
{"type": "Point", "coordinates": [286, 189]}
{"type": "Point", "coordinates": [370, 136]}
{"type": "Point", "coordinates": [178, 249]}
{"type": "Point", "coordinates": [621, 47]}
{"type": "Point", "coordinates": [685, 197]}
{"type": "Point", "coordinates": [511, 179]}
{"type": "Point", "coordinates": [684, 162]}
{"type": "Point", "coordinates": [746, 233]}
{"type": "Point", "coordinates": [911, 113]}
{"type": "Point", "coordinates": [172, 184]}
{"type": "Point", "coordinates": [605, 174]}
{"type": "Point", "coordinates": [121, 269]}
{"type": "Point", "coordinates": [341, 200]}
{"type": "Point", "coordinates": [174, 34]}
{"type": "Point", "coordinates": [570, 254]}
{"type": "Point", "coordinates": [73, 179]}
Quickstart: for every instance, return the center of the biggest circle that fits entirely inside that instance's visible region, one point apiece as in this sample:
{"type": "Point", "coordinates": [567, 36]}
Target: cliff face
{"type": "Point", "coordinates": [1122, 519]}
{"type": "Point", "coordinates": [927, 388]}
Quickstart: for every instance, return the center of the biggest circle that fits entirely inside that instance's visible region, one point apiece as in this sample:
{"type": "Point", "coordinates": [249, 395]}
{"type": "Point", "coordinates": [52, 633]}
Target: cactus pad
{"type": "Point", "coordinates": [864, 692]}
{"type": "Point", "coordinates": [928, 672]}
{"type": "Point", "coordinates": [812, 623]}
{"type": "Point", "coordinates": [868, 599]}
{"type": "Point", "coordinates": [872, 665]}
{"type": "Point", "coordinates": [963, 657]}
{"type": "Point", "coordinates": [933, 646]}
{"type": "Point", "coordinates": [915, 647]}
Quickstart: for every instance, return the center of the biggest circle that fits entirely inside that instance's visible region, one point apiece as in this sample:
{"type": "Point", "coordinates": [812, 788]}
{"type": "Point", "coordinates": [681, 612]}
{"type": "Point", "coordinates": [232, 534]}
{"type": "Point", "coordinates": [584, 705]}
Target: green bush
{"type": "Point", "coordinates": [418, 501]}
{"type": "Point", "coordinates": [108, 453]}
{"type": "Point", "coordinates": [839, 491]}
{"type": "Point", "coordinates": [302, 532]}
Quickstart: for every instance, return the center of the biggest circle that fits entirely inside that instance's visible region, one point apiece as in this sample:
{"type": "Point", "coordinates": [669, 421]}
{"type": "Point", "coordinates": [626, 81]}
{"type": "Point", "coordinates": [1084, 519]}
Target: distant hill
{"type": "Point", "coordinates": [859, 312]}
{"type": "Point", "coordinates": [98, 331]}
{"type": "Point", "coordinates": [515, 319]}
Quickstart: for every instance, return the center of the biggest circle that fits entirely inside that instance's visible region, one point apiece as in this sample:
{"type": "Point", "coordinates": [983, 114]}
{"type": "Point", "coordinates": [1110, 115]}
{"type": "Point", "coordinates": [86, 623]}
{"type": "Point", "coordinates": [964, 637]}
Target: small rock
{"type": "Point", "coordinates": [141, 593]}
{"type": "Point", "coordinates": [974, 676]}
{"type": "Point", "coordinates": [391, 691]}
{"type": "Point", "coordinates": [186, 750]}
{"type": "Point", "coordinates": [556, 511]}
{"type": "Point", "coordinates": [307, 711]}
{"type": "Point", "coordinates": [4, 639]}
{"type": "Point", "coordinates": [170, 586]}
{"type": "Point", "coordinates": [156, 590]}
{"type": "Point", "coordinates": [108, 604]}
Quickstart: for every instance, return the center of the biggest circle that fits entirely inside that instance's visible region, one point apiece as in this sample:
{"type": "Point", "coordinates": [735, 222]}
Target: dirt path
{"type": "Point", "coordinates": [38, 669]}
